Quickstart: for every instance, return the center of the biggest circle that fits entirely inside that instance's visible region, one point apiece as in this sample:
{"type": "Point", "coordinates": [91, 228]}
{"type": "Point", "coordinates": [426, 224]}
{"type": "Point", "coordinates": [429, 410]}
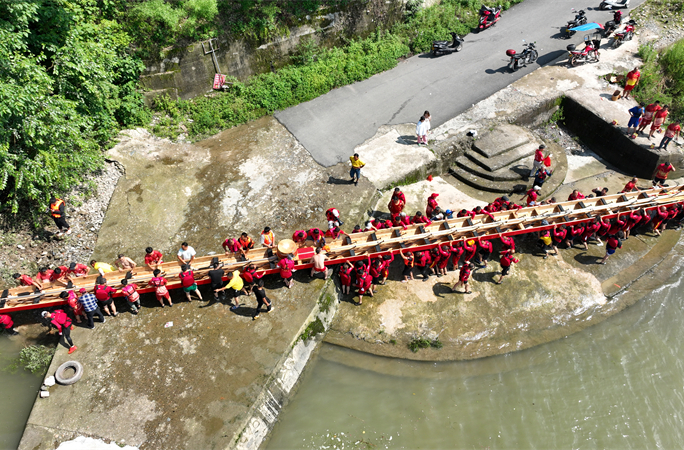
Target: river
{"type": "Point", "coordinates": [619, 384]}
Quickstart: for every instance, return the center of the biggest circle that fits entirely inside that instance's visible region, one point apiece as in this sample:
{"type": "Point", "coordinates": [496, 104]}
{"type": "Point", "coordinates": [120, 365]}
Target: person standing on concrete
{"type": "Point", "coordinates": [267, 239]}
{"type": "Point", "coordinates": [428, 124]}
{"type": "Point", "coordinates": [634, 118]}
{"type": "Point", "coordinates": [538, 159]}
{"type": "Point", "coordinates": [62, 322]}
{"type": "Point", "coordinates": [345, 272]}
{"type": "Point", "coordinates": [658, 120]}
{"type": "Point", "coordinates": [647, 118]}
{"type": "Point", "coordinates": [545, 242]}
{"type": "Point", "coordinates": [160, 290]}
{"type": "Point", "coordinates": [187, 277]}
{"type": "Point", "coordinates": [356, 166]}
{"type": "Point", "coordinates": [559, 237]}
{"type": "Point", "coordinates": [532, 196]}
{"type": "Point", "coordinates": [332, 215]}
{"type": "Point", "coordinates": [103, 293]}
{"type": "Point", "coordinates": [506, 261]}
{"type": "Point", "coordinates": [124, 263]}
{"type": "Point", "coordinates": [485, 252]}
{"type": "Point", "coordinates": [421, 131]}
{"type": "Point", "coordinates": [237, 285]}
{"type": "Point", "coordinates": [423, 260]}
{"type": "Point", "coordinates": [612, 244]}
{"type": "Point", "coordinates": [77, 270]}
{"type": "Point", "coordinates": [672, 132]}
{"type": "Point", "coordinates": [130, 291]}
{"type": "Point", "coordinates": [408, 266]}
{"type": "Point", "coordinates": [463, 278]}
{"type": "Point", "coordinates": [261, 299]}
{"type": "Point", "coordinates": [395, 206]}
{"type": "Point", "coordinates": [186, 254]}
{"type": "Point", "coordinates": [153, 258]}
{"type": "Point", "coordinates": [661, 172]}
{"type": "Point", "coordinates": [286, 266]}
{"type": "Point", "coordinates": [397, 193]}
{"type": "Point", "coordinates": [231, 245]}
{"type": "Point", "coordinates": [632, 80]}
{"type": "Point", "coordinates": [58, 213]}
{"type": "Point", "coordinates": [75, 306]}
{"type": "Point", "coordinates": [541, 175]}
{"type": "Point", "coordinates": [89, 302]}
{"type": "Point", "coordinates": [216, 277]}
{"type": "Point", "coordinates": [431, 204]}
{"type": "Point", "coordinates": [318, 260]}
{"type": "Point", "coordinates": [7, 324]}
{"type": "Point", "coordinates": [659, 217]}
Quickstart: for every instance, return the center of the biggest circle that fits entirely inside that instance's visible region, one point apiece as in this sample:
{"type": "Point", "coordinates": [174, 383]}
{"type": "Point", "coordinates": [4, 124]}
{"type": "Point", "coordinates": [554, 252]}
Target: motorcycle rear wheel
{"type": "Point", "coordinates": [459, 47]}
{"type": "Point", "coordinates": [574, 61]}
{"type": "Point", "coordinates": [513, 66]}
{"type": "Point", "coordinates": [617, 42]}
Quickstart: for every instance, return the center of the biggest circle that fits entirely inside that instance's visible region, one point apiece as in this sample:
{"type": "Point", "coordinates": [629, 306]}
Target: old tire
{"type": "Point", "coordinates": [62, 370]}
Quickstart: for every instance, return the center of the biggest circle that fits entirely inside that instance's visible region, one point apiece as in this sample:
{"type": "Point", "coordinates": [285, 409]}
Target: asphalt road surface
{"type": "Point", "coordinates": [332, 125]}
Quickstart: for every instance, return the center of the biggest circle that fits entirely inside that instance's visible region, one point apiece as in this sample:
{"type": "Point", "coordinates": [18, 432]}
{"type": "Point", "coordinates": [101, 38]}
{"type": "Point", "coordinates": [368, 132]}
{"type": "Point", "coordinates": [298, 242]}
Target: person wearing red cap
{"type": "Point", "coordinates": [431, 204]}
{"type": "Point", "coordinates": [77, 270]}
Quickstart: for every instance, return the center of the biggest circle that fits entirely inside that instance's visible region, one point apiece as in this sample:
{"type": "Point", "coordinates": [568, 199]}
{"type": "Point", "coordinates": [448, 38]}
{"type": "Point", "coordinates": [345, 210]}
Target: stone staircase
{"type": "Point", "coordinates": [499, 161]}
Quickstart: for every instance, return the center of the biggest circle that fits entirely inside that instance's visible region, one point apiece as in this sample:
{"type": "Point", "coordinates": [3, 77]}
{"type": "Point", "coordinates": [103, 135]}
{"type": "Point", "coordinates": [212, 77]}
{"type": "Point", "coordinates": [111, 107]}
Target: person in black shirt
{"type": "Point", "coordinates": [216, 277]}
{"type": "Point", "coordinates": [261, 298]}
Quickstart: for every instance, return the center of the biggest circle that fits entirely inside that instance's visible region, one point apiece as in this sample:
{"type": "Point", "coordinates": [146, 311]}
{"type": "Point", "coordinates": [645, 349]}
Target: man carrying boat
{"type": "Point", "coordinates": [153, 258]}
{"type": "Point", "coordinates": [25, 280]}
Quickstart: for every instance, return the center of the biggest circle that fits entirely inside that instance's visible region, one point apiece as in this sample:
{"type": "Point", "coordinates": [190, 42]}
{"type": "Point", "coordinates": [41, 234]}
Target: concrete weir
{"type": "Point", "coordinates": [199, 375]}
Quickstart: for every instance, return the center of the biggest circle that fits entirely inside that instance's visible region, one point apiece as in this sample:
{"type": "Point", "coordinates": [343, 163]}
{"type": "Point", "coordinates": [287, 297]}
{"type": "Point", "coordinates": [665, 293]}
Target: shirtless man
{"type": "Point", "coordinates": [319, 263]}
{"type": "Point", "coordinates": [124, 263]}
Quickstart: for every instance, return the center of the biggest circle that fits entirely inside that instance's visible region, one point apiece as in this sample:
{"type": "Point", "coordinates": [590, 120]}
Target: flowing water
{"type": "Point", "coordinates": [19, 390]}
{"type": "Point", "coordinates": [616, 385]}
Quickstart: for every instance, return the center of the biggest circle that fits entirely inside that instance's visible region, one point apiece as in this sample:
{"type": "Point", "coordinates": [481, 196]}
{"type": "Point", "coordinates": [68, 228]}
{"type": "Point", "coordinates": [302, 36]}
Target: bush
{"type": "Point", "coordinates": [34, 358]}
{"type": "Point", "coordinates": [662, 77]}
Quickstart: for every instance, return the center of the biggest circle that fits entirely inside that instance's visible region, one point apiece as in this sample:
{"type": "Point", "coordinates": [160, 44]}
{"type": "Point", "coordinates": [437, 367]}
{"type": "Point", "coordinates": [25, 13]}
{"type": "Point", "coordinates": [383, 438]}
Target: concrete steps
{"type": "Point", "coordinates": [478, 182]}
{"type": "Point", "coordinates": [503, 159]}
{"type": "Point", "coordinates": [512, 172]}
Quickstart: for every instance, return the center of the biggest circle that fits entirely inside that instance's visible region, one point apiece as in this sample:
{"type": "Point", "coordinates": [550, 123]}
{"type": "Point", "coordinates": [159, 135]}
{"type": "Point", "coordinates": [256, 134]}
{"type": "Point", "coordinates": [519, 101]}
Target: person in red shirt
{"type": "Point", "coordinates": [299, 236]}
{"type": "Point", "coordinates": [345, 272]}
{"type": "Point", "coordinates": [419, 218]}
{"type": "Point", "coordinates": [250, 276]}
{"type": "Point", "coordinates": [456, 250]}
{"type": "Point", "coordinates": [7, 324]}
{"type": "Point", "coordinates": [357, 229]}
{"type": "Point", "coordinates": [532, 195]}
{"type": "Point", "coordinates": [647, 118]}
{"type": "Point", "coordinates": [507, 244]}
{"type": "Point", "coordinates": [62, 322]}
{"type": "Point", "coordinates": [187, 278]}
{"type": "Point", "coordinates": [77, 270]}
{"type": "Point", "coordinates": [431, 204]}
{"type": "Point", "coordinates": [335, 233]}
{"type": "Point", "coordinates": [75, 306]}
{"type": "Point", "coordinates": [603, 231]}
{"type": "Point", "coordinates": [658, 120]}
{"type": "Point", "coordinates": [231, 245]}
{"type": "Point", "coordinates": [43, 275]}
{"type": "Point", "coordinates": [631, 82]}
{"type": "Point", "coordinates": [506, 260]}
{"type": "Point", "coordinates": [560, 235]}
{"type": "Point", "coordinates": [589, 230]}
{"type": "Point", "coordinates": [59, 275]}
{"type": "Point", "coordinates": [463, 278]}
{"type": "Point", "coordinates": [575, 233]}
{"type": "Point", "coordinates": [395, 206]}
{"type": "Point", "coordinates": [444, 254]}
{"type": "Point", "coordinates": [485, 252]}
{"type": "Point", "coordinates": [422, 261]}
{"type": "Point", "coordinates": [469, 249]}
{"type": "Point", "coordinates": [153, 258]}
{"type": "Point", "coordinates": [612, 244]}
{"type": "Point", "coordinates": [103, 294]}
{"type": "Point", "coordinates": [160, 290]}
{"type": "Point", "coordinates": [397, 193]}
{"type": "Point", "coordinates": [575, 195]}
{"type": "Point", "coordinates": [130, 291]}
{"type": "Point", "coordinates": [398, 222]}
{"type": "Point", "coordinates": [538, 160]}
{"type": "Point", "coordinates": [317, 236]}
{"type": "Point", "coordinates": [630, 186]}
{"type": "Point", "coordinates": [659, 219]}
{"type": "Point", "coordinates": [332, 215]}
{"type": "Point", "coordinates": [375, 270]}
{"type": "Point", "coordinates": [25, 280]}
{"type": "Point", "coordinates": [661, 172]}
{"type": "Point", "coordinates": [616, 225]}
{"type": "Point", "coordinates": [286, 266]}
{"type": "Point", "coordinates": [632, 222]}
{"type": "Point", "coordinates": [672, 132]}
{"type": "Point", "coordinates": [364, 280]}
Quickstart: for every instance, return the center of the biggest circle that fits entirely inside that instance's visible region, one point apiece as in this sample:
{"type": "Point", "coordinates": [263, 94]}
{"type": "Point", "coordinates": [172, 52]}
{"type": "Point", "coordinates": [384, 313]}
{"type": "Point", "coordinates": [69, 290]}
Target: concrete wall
{"type": "Point", "coordinates": [612, 144]}
{"type": "Point", "coordinates": [187, 72]}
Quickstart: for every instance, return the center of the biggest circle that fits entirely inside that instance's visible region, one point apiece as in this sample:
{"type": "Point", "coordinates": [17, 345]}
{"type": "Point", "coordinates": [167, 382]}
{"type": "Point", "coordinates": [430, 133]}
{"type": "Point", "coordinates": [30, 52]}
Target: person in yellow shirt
{"type": "Point", "coordinates": [101, 267]}
{"type": "Point", "coordinates": [235, 283]}
{"type": "Point", "coordinates": [356, 165]}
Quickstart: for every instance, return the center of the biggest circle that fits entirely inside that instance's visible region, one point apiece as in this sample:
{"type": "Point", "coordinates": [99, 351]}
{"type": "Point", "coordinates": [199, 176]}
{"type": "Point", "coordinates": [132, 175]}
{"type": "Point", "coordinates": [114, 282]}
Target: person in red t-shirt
{"type": "Point", "coordinates": [43, 275]}
{"type": "Point", "coordinates": [506, 260]}
{"type": "Point", "coordinates": [560, 236]}
{"type": "Point", "coordinates": [576, 195]}
{"type": "Point", "coordinates": [395, 206]}
{"type": "Point", "coordinates": [299, 236]}
{"type": "Point", "coordinates": [463, 278]}
{"type": "Point", "coordinates": [538, 160]}
{"type": "Point", "coordinates": [77, 270]}
{"type": "Point", "coordinates": [103, 294]}
{"type": "Point", "coordinates": [62, 322]}
{"type": "Point", "coordinates": [187, 277]}
{"type": "Point", "coordinates": [485, 251]}
{"type": "Point", "coordinates": [660, 174]}
{"type": "Point", "coordinates": [59, 275]}
{"type": "Point", "coordinates": [6, 323]}
{"type": "Point", "coordinates": [160, 290]}
{"type": "Point", "coordinates": [25, 280]}
{"type": "Point", "coordinates": [431, 204]}
{"type": "Point", "coordinates": [532, 195]}
{"type": "Point", "coordinates": [612, 244]}
{"type": "Point", "coordinates": [647, 118]}
{"type": "Point", "coordinates": [153, 258]}
{"type": "Point", "coordinates": [286, 266]}
{"type": "Point", "coordinates": [631, 82]}
{"type": "Point", "coordinates": [231, 245]}
{"type": "Point", "coordinates": [631, 186]}
{"type": "Point", "coordinates": [658, 120]}
{"type": "Point", "coordinates": [659, 219]}
{"type": "Point", "coordinates": [672, 132]}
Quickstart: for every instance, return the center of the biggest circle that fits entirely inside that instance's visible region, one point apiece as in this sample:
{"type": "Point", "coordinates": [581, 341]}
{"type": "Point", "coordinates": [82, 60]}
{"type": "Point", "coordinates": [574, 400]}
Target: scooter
{"type": "Point", "coordinates": [589, 53]}
{"type": "Point", "coordinates": [580, 19]}
{"type": "Point", "coordinates": [488, 17]}
{"type": "Point", "coordinates": [625, 35]}
{"type": "Point", "coordinates": [527, 56]}
{"type": "Point", "coordinates": [614, 4]}
{"type": "Point", "coordinates": [446, 47]}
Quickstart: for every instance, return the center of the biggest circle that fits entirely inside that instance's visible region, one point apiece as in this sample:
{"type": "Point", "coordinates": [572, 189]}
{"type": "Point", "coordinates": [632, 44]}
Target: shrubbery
{"type": "Point", "coordinates": [662, 77]}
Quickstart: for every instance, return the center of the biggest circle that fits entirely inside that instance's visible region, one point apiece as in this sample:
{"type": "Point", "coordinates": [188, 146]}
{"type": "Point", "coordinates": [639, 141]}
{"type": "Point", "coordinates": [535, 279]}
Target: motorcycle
{"type": "Point", "coordinates": [590, 53]}
{"type": "Point", "coordinates": [625, 35]}
{"type": "Point", "coordinates": [612, 25]}
{"type": "Point", "coordinates": [446, 47]}
{"type": "Point", "coordinates": [614, 4]}
{"type": "Point", "coordinates": [580, 19]}
{"type": "Point", "coordinates": [488, 17]}
{"type": "Point", "coordinates": [527, 56]}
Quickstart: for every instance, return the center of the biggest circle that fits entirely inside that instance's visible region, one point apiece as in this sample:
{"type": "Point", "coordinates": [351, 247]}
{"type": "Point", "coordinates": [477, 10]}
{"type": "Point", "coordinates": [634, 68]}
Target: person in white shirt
{"type": "Point", "coordinates": [421, 131]}
{"type": "Point", "coordinates": [186, 254]}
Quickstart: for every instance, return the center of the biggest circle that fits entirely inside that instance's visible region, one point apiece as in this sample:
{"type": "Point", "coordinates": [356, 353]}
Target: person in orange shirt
{"type": "Point", "coordinates": [632, 80]}
{"type": "Point", "coordinates": [267, 238]}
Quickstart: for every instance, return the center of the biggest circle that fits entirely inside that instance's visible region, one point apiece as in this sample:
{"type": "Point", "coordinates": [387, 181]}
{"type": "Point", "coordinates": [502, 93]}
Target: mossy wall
{"type": "Point", "coordinates": [188, 72]}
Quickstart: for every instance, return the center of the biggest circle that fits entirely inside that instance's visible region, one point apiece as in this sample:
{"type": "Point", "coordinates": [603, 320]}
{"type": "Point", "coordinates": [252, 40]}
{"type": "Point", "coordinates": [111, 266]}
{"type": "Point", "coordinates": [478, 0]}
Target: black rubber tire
{"type": "Point", "coordinates": [78, 373]}
{"type": "Point", "coordinates": [617, 43]}
{"type": "Point", "coordinates": [512, 67]}
{"type": "Point", "coordinates": [532, 57]}
{"type": "Point", "coordinates": [459, 47]}
{"type": "Point", "coordinates": [574, 62]}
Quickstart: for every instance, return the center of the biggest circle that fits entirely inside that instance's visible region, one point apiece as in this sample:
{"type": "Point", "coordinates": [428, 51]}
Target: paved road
{"type": "Point", "coordinates": [331, 126]}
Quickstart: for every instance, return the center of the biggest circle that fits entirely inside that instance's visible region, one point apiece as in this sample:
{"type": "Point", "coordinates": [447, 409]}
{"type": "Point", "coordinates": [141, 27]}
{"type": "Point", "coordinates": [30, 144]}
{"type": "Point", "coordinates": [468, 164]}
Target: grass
{"type": "Point", "coordinates": [314, 328]}
{"type": "Point", "coordinates": [662, 77]}
{"type": "Point", "coordinates": [421, 342]}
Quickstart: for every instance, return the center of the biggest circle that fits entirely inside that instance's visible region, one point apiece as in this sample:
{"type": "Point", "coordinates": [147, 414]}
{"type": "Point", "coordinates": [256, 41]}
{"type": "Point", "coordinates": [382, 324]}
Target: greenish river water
{"type": "Point", "coordinates": [617, 385]}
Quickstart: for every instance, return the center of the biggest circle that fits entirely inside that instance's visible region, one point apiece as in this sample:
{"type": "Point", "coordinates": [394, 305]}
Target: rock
{"type": "Point", "coordinates": [49, 381]}
{"type": "Point", "coordinates": [20, 247]}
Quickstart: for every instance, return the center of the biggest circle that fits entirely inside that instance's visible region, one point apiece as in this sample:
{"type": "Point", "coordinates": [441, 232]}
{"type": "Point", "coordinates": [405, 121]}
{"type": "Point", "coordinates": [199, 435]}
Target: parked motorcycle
{"type": "Point", "coordinates": [612, 25]}
{"type": "Point", "coordinates": [488, 17]}
{"type": "Point", "coordinates": [446, 47]}
{"type": "Point", "coordinates": [580, 19]}
{"type": "Point", "coordinates": [614, 4]}
{"type": "Point", "coordinates": [625, 35]}
{"type": "Point", "coordinates": [527, 56]}
{"type": "Point", "coordinates": [590, 53]}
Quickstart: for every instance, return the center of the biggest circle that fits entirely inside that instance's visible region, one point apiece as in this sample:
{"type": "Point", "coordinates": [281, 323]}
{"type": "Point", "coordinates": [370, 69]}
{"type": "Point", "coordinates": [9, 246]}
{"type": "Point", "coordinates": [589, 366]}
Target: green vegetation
{"type": "Point", "coordinates": [314, 328]}
{"type": "Point", "coordinates": [67, 84]}
{"type": "Point", "coordinates": [34, 358]}
{"type": "Point", "coordinates": [662, 77]}
{"type": "Point", "coordinates": [418, 343]}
